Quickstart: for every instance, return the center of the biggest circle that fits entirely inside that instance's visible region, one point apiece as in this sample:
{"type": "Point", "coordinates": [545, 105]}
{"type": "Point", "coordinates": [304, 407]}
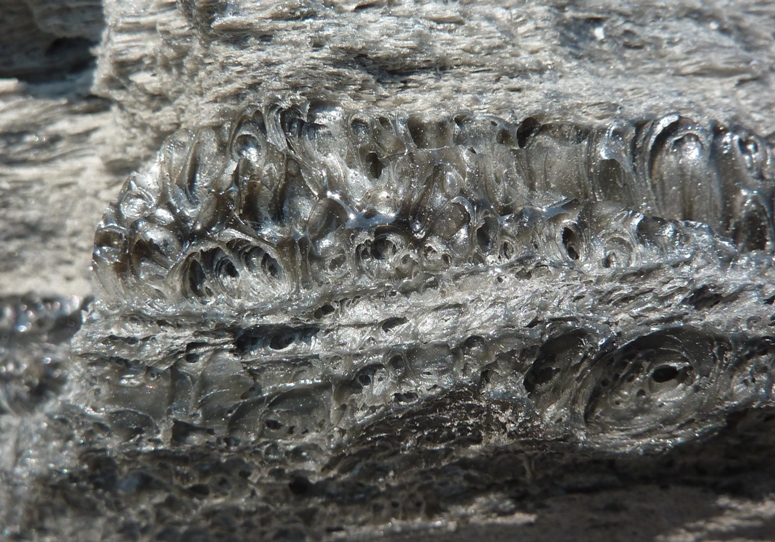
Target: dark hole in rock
{"type": "Point", "coordinates": [273, 424]}
{"type": "Point", "coordinates": [274, 337]}
{"type": "Point", "coordinates": [570, 241]}
{"type": "Point", "coordinates": [383, 249]}
{"type": "Point", "coordinates": [281, 341]}
{"type": "Point", "coordinates": [324, 310]}
{"type": "Point", "coordinates": [63, 56]}
{"type": "Point", "coordinates": [62, 46]}
{"type": "Point", "coordinates": [196, 280]}
{"type": "Point", "coordinates": [200, 490]}
{"type": "Point", "coordinates": [270, 266]}
{"type": "Point", "coordinates": [417, 132]}
{"type": "Point", "coordinates": [392, 323]}
{"type": "Point", "coordinates": [755, 232]}
{"type": "Point", "coordinates": [337, 262]}
{"type": "Point", "coordinates": [194, 352]}
{"type": "Point", "coordinates": [368, 375]}
{"type": "Point", "coordinates": [507, 251]}
{"type": "Point", "coordinates": [228, 268]}
{"type": "Point", "coordinates": [704, 298]}
{"type": "Point", "coordinates": [374, 165]}
{"type": "Point", "coordinates": [664, 373]}
{"type": "Point", "coordinates": [536, 378]}
{"type": "Point", "coordinates": [248, 340]}
{"type": "Point", "coordinates": [460, 120]}
{"type": "Point", "coordinates": [300, 485]}
{"type": "Point", "coordinates": [748, 149]}
{"type": "Point", "coordinates": [484, 237]}
{"type": "Point", "coordinates": [397, 362]}
{"type": "Point", "coordinates": [260, 262]}
{"type": "Point", "coordinates": [430, 134]}
{"type": "Point", "coordinates": [528, 128]}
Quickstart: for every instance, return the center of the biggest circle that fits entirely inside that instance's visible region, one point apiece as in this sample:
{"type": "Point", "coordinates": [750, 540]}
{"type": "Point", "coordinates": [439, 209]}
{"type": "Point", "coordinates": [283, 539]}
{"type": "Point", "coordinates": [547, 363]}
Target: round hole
{"type": "Point", "coordinates": [324, 310]}
{"type": "Point", "coordinates": [664, 373]}
{"type": "Point", "coordinates": [281, 341]}
{"type": "Point", "coordinates": [570, 241]}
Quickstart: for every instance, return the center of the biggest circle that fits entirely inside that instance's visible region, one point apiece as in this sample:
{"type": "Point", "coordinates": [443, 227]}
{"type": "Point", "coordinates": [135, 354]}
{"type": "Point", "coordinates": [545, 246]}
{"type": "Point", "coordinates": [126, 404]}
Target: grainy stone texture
{"type": "Point", "coordinates": [53, 184]}
{"type": "Point", "coordinates": [171, 64]}
{"type": "Point", "coordinates": [102, 472]}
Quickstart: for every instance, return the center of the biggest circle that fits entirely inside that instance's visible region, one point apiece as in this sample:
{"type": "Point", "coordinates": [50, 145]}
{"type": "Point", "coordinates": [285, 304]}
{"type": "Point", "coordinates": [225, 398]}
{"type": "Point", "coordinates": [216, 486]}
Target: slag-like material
{"type": "Point", "coordinates": [304, 273]}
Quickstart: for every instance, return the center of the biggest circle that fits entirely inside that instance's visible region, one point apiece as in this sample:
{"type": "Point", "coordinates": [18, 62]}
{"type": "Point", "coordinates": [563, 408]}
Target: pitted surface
{"type": "Point", "coordinates": [304, 272]}
{"type": "Point", "coordinates": [647, 332]}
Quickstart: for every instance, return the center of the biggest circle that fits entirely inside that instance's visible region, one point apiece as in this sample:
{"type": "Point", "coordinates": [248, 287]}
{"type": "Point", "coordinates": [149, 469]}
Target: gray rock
{"type": "Point", "coordinates": [314, 323]}
{"type": "Point", "coordinates": [304, 272]}
{"type": "Point", "coordinates": [169, 65]}
{"type": "Point", "coordinates": [44, 40]}
{"type": "Point", "coordinates": [290, 288]}
{"type": "Point", "coordinates": [53, 184]}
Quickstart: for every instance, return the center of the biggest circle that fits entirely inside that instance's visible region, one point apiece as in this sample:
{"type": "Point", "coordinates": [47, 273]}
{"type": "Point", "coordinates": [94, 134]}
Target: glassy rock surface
{"type": "Point", "coordinates": [318, 293]}
{"type": "Point", "coordinates": [307, 272]}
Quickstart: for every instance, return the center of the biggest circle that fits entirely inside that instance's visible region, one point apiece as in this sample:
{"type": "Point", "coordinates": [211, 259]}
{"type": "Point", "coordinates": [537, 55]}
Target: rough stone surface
{"type": "Point", "coordinates": [304, 272]}
{"type": "Point", "coordinates": [53, 184]}
{"type": "Point", "coordinates": [364, 308]}
{"type": "Point", "coordinates": [134, 439]}
{"type": "Point", "coordinates": [44, 40]}
{"type": "Point", "coordinates": [171, 65]}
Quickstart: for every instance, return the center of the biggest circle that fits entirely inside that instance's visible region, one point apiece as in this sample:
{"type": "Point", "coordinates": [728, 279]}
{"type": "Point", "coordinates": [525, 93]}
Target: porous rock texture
{"type": "Point", "coordinates": [386, 269]}
{"type": "Point", "coordinates": [304, 273]}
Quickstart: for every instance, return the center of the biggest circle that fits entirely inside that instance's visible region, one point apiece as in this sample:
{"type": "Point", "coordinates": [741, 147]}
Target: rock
{"type": "Point", "coordinates": [53, 184]}
{"type": "Point", "coordinates": [387, 270]}
{"type": "Point", "coordinates": [170, 65]}
{"type": "Point", "coordinates": [364, 265]}
{"type": "Point", "coordinates": [44, 40]}
{"type": "Point", "coordinates": [289, 288]}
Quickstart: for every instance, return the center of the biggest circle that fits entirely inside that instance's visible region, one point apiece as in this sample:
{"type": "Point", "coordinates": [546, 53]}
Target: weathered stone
{"type": "Point", "coordinates": [360, 313]}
